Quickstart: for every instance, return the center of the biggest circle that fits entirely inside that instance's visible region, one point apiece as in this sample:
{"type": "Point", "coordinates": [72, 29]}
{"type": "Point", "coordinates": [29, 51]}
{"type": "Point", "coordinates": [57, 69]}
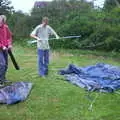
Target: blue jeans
{"type": "Point", "coordinates": [3, 64]}
{"type": "Point", "coordinates": [43, 61]}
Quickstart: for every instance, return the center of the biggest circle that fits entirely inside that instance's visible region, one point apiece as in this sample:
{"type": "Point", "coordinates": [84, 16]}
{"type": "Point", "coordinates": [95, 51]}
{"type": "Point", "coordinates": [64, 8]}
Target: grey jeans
{"type": "Point", "coordinates": [3, 64]}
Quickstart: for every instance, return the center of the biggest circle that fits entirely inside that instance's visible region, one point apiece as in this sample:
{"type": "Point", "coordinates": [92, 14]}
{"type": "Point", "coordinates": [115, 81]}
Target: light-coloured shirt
{"type": "Point", "coordinates": [43, 33]}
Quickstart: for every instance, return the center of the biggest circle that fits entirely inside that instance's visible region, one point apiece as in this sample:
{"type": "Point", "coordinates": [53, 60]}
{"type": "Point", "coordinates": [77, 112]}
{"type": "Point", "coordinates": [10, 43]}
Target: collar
{"type": "Point", "coordinates": [44, 26]}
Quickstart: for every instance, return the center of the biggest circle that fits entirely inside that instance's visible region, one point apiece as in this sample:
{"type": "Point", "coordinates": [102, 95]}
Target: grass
{"type": "Point", "coordinates": [53, 98]}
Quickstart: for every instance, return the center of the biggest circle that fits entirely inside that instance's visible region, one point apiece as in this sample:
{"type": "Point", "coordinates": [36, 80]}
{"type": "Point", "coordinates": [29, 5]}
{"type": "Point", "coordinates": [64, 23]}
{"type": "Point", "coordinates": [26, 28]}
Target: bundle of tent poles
{"type": "Point", "coordinates": [66, 37]}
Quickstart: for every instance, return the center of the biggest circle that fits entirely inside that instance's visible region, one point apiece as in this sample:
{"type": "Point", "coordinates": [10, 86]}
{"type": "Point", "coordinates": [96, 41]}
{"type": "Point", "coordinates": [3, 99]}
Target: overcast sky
{"type": "Point", "coordinates": [26, 5]}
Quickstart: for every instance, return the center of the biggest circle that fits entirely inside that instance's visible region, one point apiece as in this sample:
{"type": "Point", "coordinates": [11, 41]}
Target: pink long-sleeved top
{"type": "Point", "coordinates": [5, 36]}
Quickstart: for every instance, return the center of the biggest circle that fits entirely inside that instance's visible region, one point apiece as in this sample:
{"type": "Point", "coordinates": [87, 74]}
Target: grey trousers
{"type": "Point", "coordinates": [3, 64]}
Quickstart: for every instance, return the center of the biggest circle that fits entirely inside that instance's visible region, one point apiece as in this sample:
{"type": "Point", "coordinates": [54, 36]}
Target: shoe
{"type": "Point", "coordinates": [1, 84]}
{"type": "Point", "coordinates": [42, 76]}
{"type": "Point", "coordinates": [7, 81]}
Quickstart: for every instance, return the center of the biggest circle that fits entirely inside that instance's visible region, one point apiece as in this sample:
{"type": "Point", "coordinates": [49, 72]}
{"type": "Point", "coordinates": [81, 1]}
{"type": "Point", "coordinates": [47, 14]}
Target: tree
{"type": "Point", "coordinates": [110, 4]}
{"type": "Point", "coordinates": [5, 7]}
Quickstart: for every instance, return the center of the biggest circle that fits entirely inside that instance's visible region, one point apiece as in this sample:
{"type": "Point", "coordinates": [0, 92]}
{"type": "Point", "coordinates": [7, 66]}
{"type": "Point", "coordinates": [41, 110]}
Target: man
{"type": "Point", "coordinates": [41, 33]}
{"type": "Point", "coordinates": [5, 44]}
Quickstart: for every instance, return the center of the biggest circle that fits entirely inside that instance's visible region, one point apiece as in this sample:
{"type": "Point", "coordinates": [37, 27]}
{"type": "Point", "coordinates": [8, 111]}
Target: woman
{"type": "Point", "coordinates": [5, 44]}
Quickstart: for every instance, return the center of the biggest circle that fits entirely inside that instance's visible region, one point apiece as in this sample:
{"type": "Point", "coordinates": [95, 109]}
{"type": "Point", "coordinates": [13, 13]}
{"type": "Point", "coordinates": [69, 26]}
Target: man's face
{"type": "Point", "coordinates": [45, 22]}
{"type": "Point", "coordinates": [1, 21]}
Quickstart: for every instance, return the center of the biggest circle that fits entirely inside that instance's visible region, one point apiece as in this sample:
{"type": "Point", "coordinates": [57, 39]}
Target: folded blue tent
{"type": "Point", "coordinates": [100, 77]}
{"type": "Point", "coordinates": [15, 92]}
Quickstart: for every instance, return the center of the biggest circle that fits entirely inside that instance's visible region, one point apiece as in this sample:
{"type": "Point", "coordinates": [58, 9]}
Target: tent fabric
{"type": "Point", "coordinates": [15, 92]}
{"type": "Point", "coordinates": [100, 77]}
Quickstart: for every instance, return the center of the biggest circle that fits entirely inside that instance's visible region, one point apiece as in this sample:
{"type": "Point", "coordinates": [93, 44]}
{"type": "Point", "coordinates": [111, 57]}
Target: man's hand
{"type": "Point", "coordinates": [57, 37]}
{"type": "Point", "coordinates": [39, 39]}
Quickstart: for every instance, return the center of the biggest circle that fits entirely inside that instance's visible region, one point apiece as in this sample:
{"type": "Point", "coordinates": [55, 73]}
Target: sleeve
{"type": "Point", "coordinates": [52, 32]}
{"type": "Point", "coordinates": [1, 44]}
{"type": "Point", "coordinates": [9, 36]}
{"type": "Point", "coordinates": [35, 31]}
{"type": "Point", "coordinates": [1, 39]}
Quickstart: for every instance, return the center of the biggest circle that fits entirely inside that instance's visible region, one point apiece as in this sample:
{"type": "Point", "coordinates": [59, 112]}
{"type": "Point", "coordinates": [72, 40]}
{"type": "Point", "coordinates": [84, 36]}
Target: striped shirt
{"type": "Point", "coordinates": [43, 33]}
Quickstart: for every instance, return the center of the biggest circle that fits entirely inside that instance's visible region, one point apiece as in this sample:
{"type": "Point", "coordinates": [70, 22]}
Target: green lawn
{"type": "Point", "coordinates": [53, 98]}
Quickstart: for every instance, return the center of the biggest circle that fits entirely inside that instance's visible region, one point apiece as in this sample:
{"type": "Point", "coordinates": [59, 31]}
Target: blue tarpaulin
{"type": "Point", "coordinates": [100, 77]}
{"type": "Point", "coordinates": [15, 92]}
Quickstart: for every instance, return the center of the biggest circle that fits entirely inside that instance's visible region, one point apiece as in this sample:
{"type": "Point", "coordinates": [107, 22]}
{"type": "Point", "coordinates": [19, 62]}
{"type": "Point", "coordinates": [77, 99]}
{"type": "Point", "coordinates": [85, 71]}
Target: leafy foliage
{"type": "Point", "coordinates": [5, 7]}
{"type": "Point", "coordinates": [99, 28]}
{"type": "Point", "coordinates": [111, 4]}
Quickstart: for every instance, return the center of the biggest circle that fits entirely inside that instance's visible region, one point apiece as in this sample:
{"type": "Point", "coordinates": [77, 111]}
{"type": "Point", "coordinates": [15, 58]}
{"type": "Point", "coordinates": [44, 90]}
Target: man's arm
{"type": "Point", "coordinates": [34, 34]}
{"type": "Point", "coordinates": [54, 33]}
